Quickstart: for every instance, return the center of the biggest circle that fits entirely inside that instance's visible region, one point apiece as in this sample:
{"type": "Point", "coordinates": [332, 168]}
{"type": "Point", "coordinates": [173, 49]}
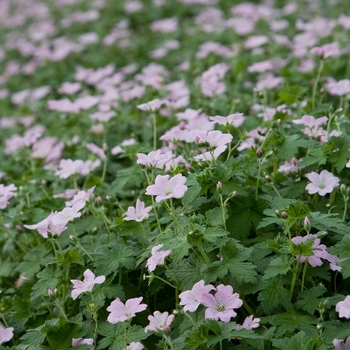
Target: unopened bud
{"type": "Point", "coordinates": [259, 152]}
{"type": "Point", "coordinates": [219, 186]}
{"type": "Point", "coordinates": [307, 224]}
{"type": "Point", "coordinates": [73, 240]}
{"type": "Point", "coordinates": [233, 194]}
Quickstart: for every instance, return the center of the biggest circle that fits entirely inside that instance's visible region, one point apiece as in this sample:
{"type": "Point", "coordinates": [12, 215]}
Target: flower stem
{"type": "Point", "coordinates": [318, 76]}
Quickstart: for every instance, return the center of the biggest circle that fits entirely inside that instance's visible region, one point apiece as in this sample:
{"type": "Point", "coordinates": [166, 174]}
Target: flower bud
{"type": "Point", "coordinates": [259, 152]}
{"type": "Point", "coordinates": [307, 224]}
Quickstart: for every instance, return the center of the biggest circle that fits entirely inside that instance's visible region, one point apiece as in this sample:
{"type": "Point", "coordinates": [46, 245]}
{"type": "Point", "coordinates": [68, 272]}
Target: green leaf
{"type": "Point", "coordinates": [289, 322]}
{"type": "Point", "coordinates": [215, 217]}
{"type": "Point", "coordinates": [215, 235]}
{"type": "Point", "coordinates": [274, 295]}
{"type": "Point", "coordinates": [33, 261]}
{"type": "Point", "coordinates": [108, 258]}
{"type": "Point", "coordinates": [342, 250]}
{"type": "Point", "coordinates": [115, 337]}
{"type": "Point", "coordinates": [300, 341]}
{"type": "Point", "coordinates": [193, 190]}
{"type": "Point", "coordinates": [33, 337]}
{"type": "Point", "coordinates": [308, 299]}
{"type": "Point", "coordinates": [279, 266]}
{"type": "Point", "coordinates": [186, 272]}
{"type": "Point", "coordinates": [61, 338]}
{"type": "Point", "coordinates": [328, 222]}
{"type": "Point", "coordinates": [316, 156]}
{"type": "Point", "coordinates": [341, 151]}
{"type": "Point", "coordinates": [21, 308]}
{"type": "Point", "coordinates": [47, 279]}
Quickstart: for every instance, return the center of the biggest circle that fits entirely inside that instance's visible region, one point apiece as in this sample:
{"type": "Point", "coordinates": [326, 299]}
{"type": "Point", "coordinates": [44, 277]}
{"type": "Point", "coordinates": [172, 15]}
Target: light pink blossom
{"type": "Point", "coordinates": [157, 257]}
{"type": "Point", "coordinates": [159, 322]}
{"type": "Point", "coordinates": [322, 183]}
{"type": "Point", "coordinates": [341, 344]}
{"type": "Point", "coordinates": [6, 193]}
{"type": "Point", "coordinates": [134, 346]}
{"type": "Point", "coordinates": [120, 312]}
{"type": "Point", "coordinates": [318, 250]}
{"type": "Point", "coordinates": [138, 213]}
{"type": "Point", "coordinates": [191, 299]}
{"type": "Point", "coordinates": [82, 341]}
{"type": "Point", "coordinates": [343, 307]}
{"type": "Point", "coordinates": [87, 285]}
{"type": "Point", "coordinates": [6, 334]}
{"type": "Point", "coordinates": [166, 187]}
{"type": "Point", "coordinates": [96, 150]}
{"type": "Point", "coordinates": [221, 305]}
{"type": "Point", "coordinates": [249, 323]}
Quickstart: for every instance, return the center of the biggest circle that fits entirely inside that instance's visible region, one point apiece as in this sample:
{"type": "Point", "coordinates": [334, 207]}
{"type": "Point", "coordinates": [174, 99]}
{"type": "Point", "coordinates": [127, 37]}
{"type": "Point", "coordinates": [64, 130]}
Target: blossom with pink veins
{"type": "Point", "coordinates": [134, 346]}
{"type": "Point", "coordinates": [6, 193]}
{"type": "Point", "coordinates": [81, 196]}
{"type": "Point", "coordinates": [166, 187]}
{"type": "Point", "coordinates": [96, 150]}
{"type": "Point", "coordinates": [220, 306]}
{"type": "Point", "coordinates": [318, 250]}
{"type": "Point", "coordinates": [236, 120]}
{"type": "Point", "coordinates": [87, 285]}
{"type": "Point", "coordinates": [249, 323]}
{"type": "Point", "coordinates": [48, 226]}
{"type": "Point", "coordinates": [191, 299]}
{"type": "Point", "coordinates": [312, 125]}
{"type": "Point", "coordinates": [154, 159]}
{"type": "Point", "coordinates": [120, 312]}
{"type": "Point", "coordinates": [157, 257]}
{"type": "Point", "coordinates": [340, 344]}
{"type": "Point", "coordinates": [151, 106]}
{"type": "Point", "coordinates": [343, 307]}
{"type": "Point", "coordinates": [215, 138]}
{"type": "Point", "coordinates": [6, 334]}
{"type": "Point", "coordinates": [159, 322]}
{"type": "Point", "coordinates": [137, 213]}
{"type": "Point", "coordinates": [322, 183]}
{"type": "Point", "coordinates": [291, 166]}
{"type": "Point", "coordinates": [210, 155]}
{"type": "Point", "coordinates": [82, 341]}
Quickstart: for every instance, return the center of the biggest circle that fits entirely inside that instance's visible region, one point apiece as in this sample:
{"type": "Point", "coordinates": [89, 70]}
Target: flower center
{"type": "Point", "coordinates": [168, 191]}
{"type": "Point", "coordinates": [322, 185]}
{"type": "Point", "coordinates": [220, 307]}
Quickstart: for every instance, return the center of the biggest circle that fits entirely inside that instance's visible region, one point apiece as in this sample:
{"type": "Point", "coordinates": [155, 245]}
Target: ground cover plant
{"type": "Point", "coordinates": [174, 174]}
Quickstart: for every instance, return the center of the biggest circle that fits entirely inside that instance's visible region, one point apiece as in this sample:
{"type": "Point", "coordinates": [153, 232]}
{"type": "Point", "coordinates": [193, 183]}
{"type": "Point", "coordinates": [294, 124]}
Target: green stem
{"type": "Point", "coordinates": [205, 256]}
{"type": "Point", "coordinates": [104, 171]}
{"type": "Point", "coordinates": [169, 341]}
{"type": "Point", "coordinates": [345, 209]}
{"type": "Point", "coordinates": [304, 274]}
{"type": "Point", "coordinates": [295, 276]}
{"type": "Point", "coordinates": [154, 117]}
{"type": "Point", "coordinates": [318, 76]}
{"type": "Point", "coordinates": [161, 279]}
{"type": "Point", "coordinates": [222, 205]}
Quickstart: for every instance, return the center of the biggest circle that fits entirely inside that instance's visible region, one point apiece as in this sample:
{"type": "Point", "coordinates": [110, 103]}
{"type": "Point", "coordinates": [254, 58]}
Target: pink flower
{"type": "Point", "coordinates": [134, 346]}
{"type": "Point", "coordinates": [81, 341]}
{"type": "Point", "coordinates": [221, 305]}
{"type": "Point", "coordinates": [318, 250]}
{"type": "Point", "coordinates": [138, 213]}
{"type": "Point", "coordinates": [291, 166]}
{"type": "Point", "coordinates": [166, 187]}
{"type": "Point", "coordinates": [327, 50]}
{"type": "Point", "coordinates": [343, 307]}
{"type": "Point", "coordinates": [322, 183]}
{"type": "Point", "coordinates": [6, 334]}
{"type": "Point", "coordinates": [96, 150]}
{"type": "Point", "coordinates": [341, 344]}
{"type": "Point", "coordinates": [159, 322]}
{"type": "Point", "coordinates": [120, 312]}
{"type": "Point", "coordinates": [249, 323]}
{"type": "Point", "coordinates": [151, 106]}
{"type": "Point", "coordinates": [157, 257]}
{"type": "Point", "coordinates": [235, 119]}
{"type": "Point", "coordinates": [87, 285]}
{"type": "Point", "coordinates": [81, 196]}
{"type": "Point", "coordinates": [6, 193]}
{"type": "Point", "coordinates": [191, 299]}
{"type": "Point", "coordinates": [313, 128]}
